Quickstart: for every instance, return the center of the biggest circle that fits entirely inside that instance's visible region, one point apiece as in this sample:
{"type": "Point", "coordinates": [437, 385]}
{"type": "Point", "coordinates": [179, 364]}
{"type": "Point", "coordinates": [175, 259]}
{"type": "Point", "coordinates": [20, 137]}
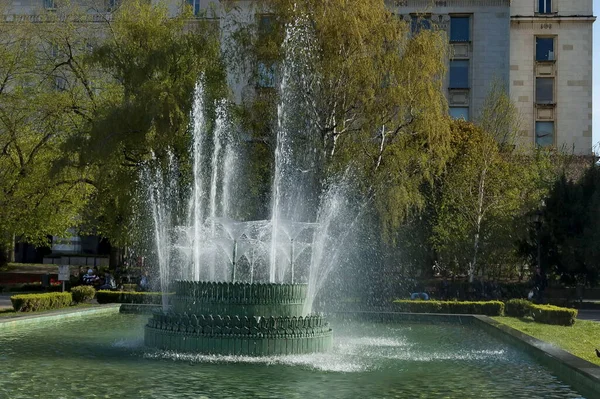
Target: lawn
{"type": "Point", "coordinates": [579, 339]}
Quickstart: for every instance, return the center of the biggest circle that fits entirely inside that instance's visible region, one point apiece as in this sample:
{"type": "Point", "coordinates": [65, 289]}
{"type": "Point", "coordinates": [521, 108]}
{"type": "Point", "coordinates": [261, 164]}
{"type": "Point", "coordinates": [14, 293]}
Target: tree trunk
{"type": "Point", "coordinates": [478, 224]}
{"type": "Point", "coordinates": [7, 250]}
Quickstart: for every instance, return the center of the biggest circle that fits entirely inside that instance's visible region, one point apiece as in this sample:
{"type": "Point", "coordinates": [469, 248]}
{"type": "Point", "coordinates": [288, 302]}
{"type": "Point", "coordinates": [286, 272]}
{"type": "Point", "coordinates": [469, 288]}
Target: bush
{"type": "Point", "coordinates": [550, 314]}
{"type": "Point", "coordinates": [489, 308]}
{"type": "Point", "coordinates": [129, 297]}
{"type": "Point", "coordinates": [518, 308]}
{"type": "Point", "coordinates": [129, 287]}
{"type": "Point", "coordinates": [35, 302]}
{"type": "Point", "coordinates": [83, 293]}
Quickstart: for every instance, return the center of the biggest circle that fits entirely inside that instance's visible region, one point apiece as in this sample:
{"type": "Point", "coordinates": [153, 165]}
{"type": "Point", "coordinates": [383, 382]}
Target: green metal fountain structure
{"type": "Point", "coordinates": [238, 319]}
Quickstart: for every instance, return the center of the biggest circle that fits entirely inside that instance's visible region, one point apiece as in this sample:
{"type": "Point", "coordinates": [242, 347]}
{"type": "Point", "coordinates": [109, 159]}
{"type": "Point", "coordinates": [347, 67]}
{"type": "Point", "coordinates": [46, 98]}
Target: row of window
{"type": "Point", "coordinates": [460, 26]}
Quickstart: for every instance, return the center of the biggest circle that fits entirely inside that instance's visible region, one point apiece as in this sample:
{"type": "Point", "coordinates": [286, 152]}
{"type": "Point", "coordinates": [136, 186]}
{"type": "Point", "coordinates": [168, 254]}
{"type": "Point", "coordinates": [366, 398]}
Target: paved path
{"type": "Point", "coordinates": [5, 301]}
{"type": "Point", "coordinates": [593, 315]}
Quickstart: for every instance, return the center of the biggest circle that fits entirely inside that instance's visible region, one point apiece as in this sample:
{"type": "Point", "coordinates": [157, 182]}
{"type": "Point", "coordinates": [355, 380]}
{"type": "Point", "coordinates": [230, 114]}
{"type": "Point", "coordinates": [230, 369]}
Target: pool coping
{"type": "Point", "coordinates": [59, 314]}
{"type": "Point", "coordinates": [581, 374]}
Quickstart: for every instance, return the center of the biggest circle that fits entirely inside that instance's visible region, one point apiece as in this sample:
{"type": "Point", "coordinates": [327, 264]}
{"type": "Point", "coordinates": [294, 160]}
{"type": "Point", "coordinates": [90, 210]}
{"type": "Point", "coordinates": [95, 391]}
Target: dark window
{"type": "Point", "coordinates": [545, 6]}
{"type": "Point", "coordinates": [459, 74]}
{"type": "Point", "coordinates": [460, 28]}
{"type": "Point", "coordinates": [544, 133]}
{"type": "Point", "coordinates": [266, 75]}
{"type": "Point", "coordinates": [544, 90]}
{"type": "Point", "coordinates": [195, 4]}
{"type": "Point", "coordinates": [265, 25]}
{"type": "Point", "coordinates": [459, 113]}
{"type": "Point", "coordinates": [49, 4]}
{"type": "Point", "coordinates": [419, 22]}
{"type": "Point", "coordinates": [544, 49]}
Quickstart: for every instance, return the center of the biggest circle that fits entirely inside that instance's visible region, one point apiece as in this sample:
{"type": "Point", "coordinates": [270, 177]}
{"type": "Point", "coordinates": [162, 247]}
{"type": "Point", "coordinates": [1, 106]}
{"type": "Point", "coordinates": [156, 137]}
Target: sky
{"type": "Point", "coordinates": [596, 80]}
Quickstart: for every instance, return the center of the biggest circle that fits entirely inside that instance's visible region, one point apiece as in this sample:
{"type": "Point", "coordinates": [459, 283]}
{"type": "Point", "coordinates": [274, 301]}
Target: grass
{"type": "Point", "coordinates": [579, 339]}
{"type": "Point", "coordinates": [11, 313]}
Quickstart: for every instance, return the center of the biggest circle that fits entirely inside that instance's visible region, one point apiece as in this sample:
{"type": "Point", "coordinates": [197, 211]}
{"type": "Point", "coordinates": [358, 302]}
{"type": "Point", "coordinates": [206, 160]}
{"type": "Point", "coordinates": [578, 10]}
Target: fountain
{"type": "Point", "coordinates": [245, 287]}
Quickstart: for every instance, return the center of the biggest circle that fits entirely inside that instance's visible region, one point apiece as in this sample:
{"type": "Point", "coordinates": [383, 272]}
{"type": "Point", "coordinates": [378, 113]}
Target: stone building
{"type": "Point", "coordinates": [541, 49]}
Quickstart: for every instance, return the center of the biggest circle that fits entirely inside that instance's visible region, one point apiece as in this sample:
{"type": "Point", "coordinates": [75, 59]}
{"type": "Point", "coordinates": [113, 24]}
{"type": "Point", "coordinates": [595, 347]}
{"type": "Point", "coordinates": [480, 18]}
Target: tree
{"type": "Point", "coordinates": [371, 91]}
{"type": "Point", "coordinates": [481, 194]}
{"type": "Point", "coordinates": [153, 62]}
{"type": "Point", "coordinates": [569, 229]}
{"type": "Point", "coordinates": [45, 99]}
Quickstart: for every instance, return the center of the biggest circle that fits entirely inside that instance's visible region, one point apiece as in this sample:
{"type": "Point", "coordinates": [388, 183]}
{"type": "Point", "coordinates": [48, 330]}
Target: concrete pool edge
{"type": "Point", "coordinates": [582, 375]}
{"type": "Point", "coordinates": [59, 314]}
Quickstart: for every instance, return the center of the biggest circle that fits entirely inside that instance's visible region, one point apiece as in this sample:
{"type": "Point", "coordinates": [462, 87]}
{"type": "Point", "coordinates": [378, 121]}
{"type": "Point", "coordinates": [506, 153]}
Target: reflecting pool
{"type": "Point", "coordinates": [104, 357]}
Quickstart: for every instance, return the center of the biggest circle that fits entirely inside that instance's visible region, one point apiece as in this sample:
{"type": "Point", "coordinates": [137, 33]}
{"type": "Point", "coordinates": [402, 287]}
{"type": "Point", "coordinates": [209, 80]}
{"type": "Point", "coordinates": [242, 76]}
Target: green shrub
{"type": "Point", "coordinates": [550, 314]}
{"type": "Point", "coordinates": [518, 308]}
{"type": "Point", "coordinates": [128, 297]}
{"type": "Point", "coordinates": [83, 293]}
{"type": "Point", "coordinates": [489, 308]}
{"type": "Point", "coordinates": [35, 302]}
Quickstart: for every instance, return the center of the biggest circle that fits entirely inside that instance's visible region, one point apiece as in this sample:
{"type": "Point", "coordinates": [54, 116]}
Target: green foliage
{"type": "Point", "coordinates": [35, 302]}
{"type": "Point", "coordinates": [45, 100]}
{"type": "Point", "coordinates": [372, 92]}
{"type": "Point", "coordinates": [569, 229]}
{"type": "Point", "coordinates": [550, 314]}
{"type": "Point", "coordinates": [83, 293]}
{"type": "Point", "coordinates": [489, 308]}
{"type": "Point", "coordinates": [517, 308]}
{"type": "Point", "coordinates": [129, 287]}
{"type": "Point", "coordinates": [151, 61]}
{"type": "Point", "coordinates": [128, 297]}
{"type": "Point", "coordinates": [483, 201]}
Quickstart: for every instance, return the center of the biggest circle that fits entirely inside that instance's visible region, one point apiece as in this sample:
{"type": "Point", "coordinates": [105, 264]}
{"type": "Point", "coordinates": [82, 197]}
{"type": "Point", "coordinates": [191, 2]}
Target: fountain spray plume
{"type": "Point", "coordinates": [195, 214]}
{"type": "Point", "coordinates": [163, 196]}
{"type": "Point", "coordinates": [295, 178]}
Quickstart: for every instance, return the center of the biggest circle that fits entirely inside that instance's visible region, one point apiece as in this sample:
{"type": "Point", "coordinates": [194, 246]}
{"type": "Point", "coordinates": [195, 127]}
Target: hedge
{"type": "Point", "coordinates": [489, 308]}
{"type": "Point", "coordinates": [35, 302]}
{"type": "Point", "coordinates": [550, 314]}
{"type": "Point", "coordinates": [83, 293]}
{"type": "Point", "coordinates": [129, 297]}
{"type": "Point", "coordinates": [518, 308]}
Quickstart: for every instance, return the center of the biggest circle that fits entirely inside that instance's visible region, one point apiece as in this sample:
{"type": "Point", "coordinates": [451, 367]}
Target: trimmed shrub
{"type": "Point", "coordinates": [488, 308]}
{"type": "Point", "coordinates": [83, 293]}
{"type": "Point", "coordinates": [518, 308]}
{"type": "Point", "coordinates": [550, 314]}
{"type": "Point", "coordinates": [130, 287]}
{"type": "Point", "coordinates": [35, 302]}
{"type": "Point", "coordinates": [128, 297]}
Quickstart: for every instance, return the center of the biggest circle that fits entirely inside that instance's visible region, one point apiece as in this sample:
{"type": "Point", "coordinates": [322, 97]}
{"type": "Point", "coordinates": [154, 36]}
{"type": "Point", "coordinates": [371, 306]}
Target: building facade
{"type": "Point", "coordinates": [540, 49]}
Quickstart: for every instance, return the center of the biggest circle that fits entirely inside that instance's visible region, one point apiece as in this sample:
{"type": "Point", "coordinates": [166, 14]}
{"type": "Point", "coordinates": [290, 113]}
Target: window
{"type": "Point", "coordinates": [266, 75]}
{"type": "Point", "coordinates": [195, 4]}
{"type": "Point", "coordinates": [111, 5]}
{"type": "Point", "coordinates": [419, 23]}
{"type": "Point", "coordinates": [544, 133]}
{"type": "Point", "coordinates": [460, 28]}
{"type": "Point", "coordinates": [459, 74]}
{"type": "Point", "coordinates": [545, 6]}
{"type": "Point", "coordinates": [265, 24]}
{"type": "Point", "coordinates": [49, 4]}
{"type": "Point", "coordinates": [459, 113]}
{"type": "Point", "coordinates": [544, 49]}
{"type": "Point", "coordinates": [544, 90]}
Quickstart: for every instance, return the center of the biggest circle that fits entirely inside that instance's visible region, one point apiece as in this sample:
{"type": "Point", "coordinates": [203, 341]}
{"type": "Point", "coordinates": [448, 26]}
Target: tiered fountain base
{"type": "Point", "coordinates": [238, 319]}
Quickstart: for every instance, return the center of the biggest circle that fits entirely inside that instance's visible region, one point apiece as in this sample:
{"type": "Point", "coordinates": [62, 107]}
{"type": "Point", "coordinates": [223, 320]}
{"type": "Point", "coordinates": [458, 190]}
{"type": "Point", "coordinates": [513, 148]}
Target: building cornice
{"type": "Point", "coordinates": [553, 18]}
{"type": "Point", "coordinates": [446, 3]}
